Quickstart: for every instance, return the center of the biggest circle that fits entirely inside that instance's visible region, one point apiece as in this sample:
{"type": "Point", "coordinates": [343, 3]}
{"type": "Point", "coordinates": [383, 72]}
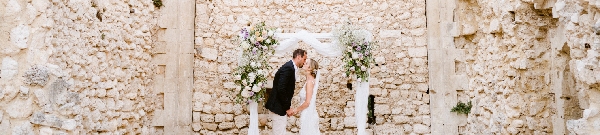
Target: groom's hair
{"type": "Point", "coordinates": [298, 52]}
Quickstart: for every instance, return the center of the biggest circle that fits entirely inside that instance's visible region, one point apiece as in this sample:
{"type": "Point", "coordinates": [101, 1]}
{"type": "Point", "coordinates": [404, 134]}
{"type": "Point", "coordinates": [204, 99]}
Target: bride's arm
{"type": "Point", "coordinates": [309, 91]}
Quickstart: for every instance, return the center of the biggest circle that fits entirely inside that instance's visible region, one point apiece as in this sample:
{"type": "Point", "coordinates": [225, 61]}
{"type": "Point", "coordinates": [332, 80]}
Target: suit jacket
{"type": "Point", "coordinates": [284, 83]}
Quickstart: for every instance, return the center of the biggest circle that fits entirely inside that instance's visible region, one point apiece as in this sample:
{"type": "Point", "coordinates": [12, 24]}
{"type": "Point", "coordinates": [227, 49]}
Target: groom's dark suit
{"type": "Point", "coordinates": [284, 83]}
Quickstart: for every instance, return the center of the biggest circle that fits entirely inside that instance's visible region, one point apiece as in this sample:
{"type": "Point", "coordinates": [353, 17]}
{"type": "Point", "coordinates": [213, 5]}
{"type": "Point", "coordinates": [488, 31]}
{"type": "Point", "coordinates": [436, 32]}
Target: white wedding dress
{"type": "Point", "coordinates": [309, 118]}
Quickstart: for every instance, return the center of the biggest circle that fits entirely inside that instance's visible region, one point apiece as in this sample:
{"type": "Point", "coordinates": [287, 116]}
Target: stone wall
{"type": "Point", "coordinates": [399, 80]}
{"type": "Point", "coordinates": [530, 66]}
{"type": "Point", "coordinates": [94, 66]}
{"type": "Point", "coordinates": [580, 41]}
{"type": "Point", "coordinates": [76, 67]}
{"type": "Point", "coordinates": [508, 62]}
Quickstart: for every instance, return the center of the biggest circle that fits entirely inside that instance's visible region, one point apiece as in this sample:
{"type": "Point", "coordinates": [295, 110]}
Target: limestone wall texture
{"type": "Point", "coordinates": [399, 81]}
{"type": "Point", "coordinates": [117, 67]}
{"type": "Point", "coordinates": [531, 66]}
{"type": "Point", "coordinates": [76, 67]}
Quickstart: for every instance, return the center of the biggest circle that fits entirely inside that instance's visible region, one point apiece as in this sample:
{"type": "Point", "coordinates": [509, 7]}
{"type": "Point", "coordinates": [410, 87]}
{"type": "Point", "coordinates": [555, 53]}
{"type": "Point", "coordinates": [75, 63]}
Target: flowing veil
{"type": "Point", "coordinates": [309, 118]}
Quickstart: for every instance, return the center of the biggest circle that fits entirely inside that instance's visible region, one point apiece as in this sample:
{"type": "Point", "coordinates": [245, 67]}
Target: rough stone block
{"type": "Point", "coordinates": [20, 108]}
{"type": "Point", "coordinates": [9, 68]}
{"type": "Point", "coordinates": [19, 36]}
{"type": "Point", "coordinates": [226, 125]}
{"type": "Point", "coordinates": [383, 109]}
{"type": "Point", "coordinates": [210, 54]}
{"type": "Point", "coordinates": [46, 131]}
{"type": "Point", "coordinates": [417, 52]}
{"type": "Point", "coordinates": [69, 124]}
{"type": "Point", "coordinates": [23, 129]}
{"type": "Point", "coordinates": [207, 118]}
{"type": "Point", "coordinates": [196, 117]}
{"type": "Point", "coordinates": [350, 121]}
{"type": "Point", "coordinates": [36, 75]}
{"type": "Point", "coordinates": [390, 33]}
{"type": "Point", "coordinates": [401, 119]}
{"type": "Point", "coordinates": [196, 126]}
{"type": "Point", "coordinates": [210, 126]}
{"type": "Point", "coordinates": [241, 121]}
{"type": "Point", "coordinates": [420, 129]}
{"type": "Point", "coordinates": [219, 117]}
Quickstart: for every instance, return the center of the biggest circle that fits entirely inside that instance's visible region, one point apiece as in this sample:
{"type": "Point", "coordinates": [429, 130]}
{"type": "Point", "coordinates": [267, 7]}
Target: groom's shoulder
{"type": "Point", "coordinates": [288, 64]}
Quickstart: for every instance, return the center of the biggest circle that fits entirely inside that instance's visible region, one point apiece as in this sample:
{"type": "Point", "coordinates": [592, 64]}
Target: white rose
{"type": "Point", "coordinates": [262, 72]}
{"type": "Point", "coordinates": [245, 45]}
{"type": "Point", "coordinates": [255, 89]}
{"type": "Point", "coordinates": [271, 33]}
{"type": "Point", "coordinates": [253, 39]}
{"type": "Point", "coordinates": [245, 93]}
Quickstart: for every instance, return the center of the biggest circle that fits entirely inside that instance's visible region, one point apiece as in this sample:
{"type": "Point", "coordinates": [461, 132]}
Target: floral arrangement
{"type": "Point", "coordinates": [357, 47]}
{"type": "Point", "coordinates": [257, 44]}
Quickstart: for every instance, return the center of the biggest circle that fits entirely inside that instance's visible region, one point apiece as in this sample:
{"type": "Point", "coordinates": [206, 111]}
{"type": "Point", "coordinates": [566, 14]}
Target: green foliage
{"type": "Point", "coordinates": [462, 107]}
{"type": "Point", "coordinates": [157, 3]}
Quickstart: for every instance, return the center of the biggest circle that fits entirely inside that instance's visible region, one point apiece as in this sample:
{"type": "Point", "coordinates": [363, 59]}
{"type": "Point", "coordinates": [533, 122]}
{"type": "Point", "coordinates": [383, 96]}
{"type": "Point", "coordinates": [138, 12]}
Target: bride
{"type": "Point", "coordinates": [309, 118]}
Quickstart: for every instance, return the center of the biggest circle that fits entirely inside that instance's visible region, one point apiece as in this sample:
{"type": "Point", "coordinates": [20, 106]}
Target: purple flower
{"type": "Point", "coordinates": [353, 44]}
{"type": "Point", "coordinates": [358, 48]}
{"type": "Point", "coordinates": [251, 93]}
{"type": "Point", "coordinates": [366, 53]}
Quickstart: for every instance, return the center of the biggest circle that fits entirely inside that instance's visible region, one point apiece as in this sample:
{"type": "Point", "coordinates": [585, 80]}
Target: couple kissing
{"type": "Point", "coordinates": [280, 98]}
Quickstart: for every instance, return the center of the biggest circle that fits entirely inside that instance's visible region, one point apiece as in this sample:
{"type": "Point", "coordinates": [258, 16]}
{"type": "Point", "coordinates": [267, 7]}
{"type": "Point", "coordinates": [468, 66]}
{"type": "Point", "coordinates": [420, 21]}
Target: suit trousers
{"type": "Point", "coordinates": [279, 123]}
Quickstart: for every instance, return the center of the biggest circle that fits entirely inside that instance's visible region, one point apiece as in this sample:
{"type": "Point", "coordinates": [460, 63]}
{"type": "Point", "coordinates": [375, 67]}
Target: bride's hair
{"type": "Point", "coordinates": [313, 66]}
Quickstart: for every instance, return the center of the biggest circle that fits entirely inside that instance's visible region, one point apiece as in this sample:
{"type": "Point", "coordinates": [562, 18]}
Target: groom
{"type": "Point", "coordinates": [280, 98]}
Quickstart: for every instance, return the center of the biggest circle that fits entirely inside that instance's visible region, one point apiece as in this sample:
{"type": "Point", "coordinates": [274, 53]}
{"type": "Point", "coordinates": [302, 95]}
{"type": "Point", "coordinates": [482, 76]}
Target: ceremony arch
{"type": "Point", "coordinates": [289, 42]}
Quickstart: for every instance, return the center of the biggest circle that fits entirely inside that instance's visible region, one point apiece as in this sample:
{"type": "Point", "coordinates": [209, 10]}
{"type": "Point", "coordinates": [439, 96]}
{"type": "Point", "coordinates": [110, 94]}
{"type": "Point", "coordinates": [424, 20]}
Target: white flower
{"type": "Point", "coordinates": [238, 77]}
{"type": "Point", "coordinates": [255, 88]}
{"type": "Point", "coordinates": [253, 39]}
{"type": "Point", "coordinates": [258, 65]}
{"type": "Point", "coordinates": [363, 68]}
{"type": "Point", "coordinates": [245, 93]}
{"type": "Point", "coordinates": [251, 76]}
{"type": "Point", "coordinates": [245, 45]}
{"type": "Point", "coordinates": [262, 72]}
{"type": "Point", "coordinates": [253, 64]}
{"type": "Point", "coordinates": [268, 41]}
{"type": "Point", "coordinates": [354, 55]}
{"type": "Point", "coordinates": [238, 88]}
{"type": "Point", "coordinates": [259, 84]}
{"type": "Point", "coordinates": [271, 33]}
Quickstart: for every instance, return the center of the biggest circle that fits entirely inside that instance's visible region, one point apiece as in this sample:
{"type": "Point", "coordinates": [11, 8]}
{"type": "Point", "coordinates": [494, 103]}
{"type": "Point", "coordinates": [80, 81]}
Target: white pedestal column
{"type": "Point", "coordinates": [360, 107]}
{"type": "Point", "coordinates": [253, 127]}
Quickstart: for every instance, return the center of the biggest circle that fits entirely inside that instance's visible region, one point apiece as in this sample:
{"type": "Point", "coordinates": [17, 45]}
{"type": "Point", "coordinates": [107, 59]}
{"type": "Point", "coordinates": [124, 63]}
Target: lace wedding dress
{"type": "Point", "coordinates": [309, 118]}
